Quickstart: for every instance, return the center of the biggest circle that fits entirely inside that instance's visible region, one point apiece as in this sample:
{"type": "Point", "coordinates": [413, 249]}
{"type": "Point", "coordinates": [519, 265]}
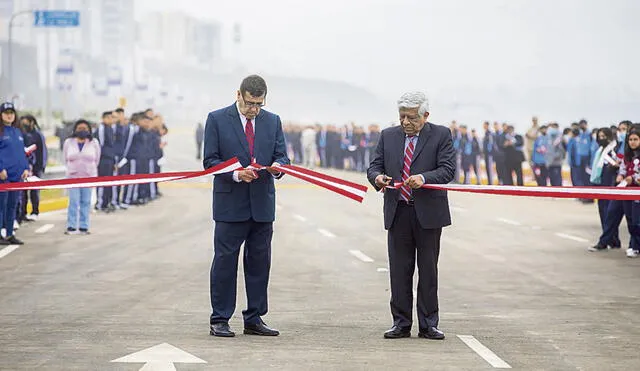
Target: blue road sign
{"type": "Point", "coordinates": [56, 18]}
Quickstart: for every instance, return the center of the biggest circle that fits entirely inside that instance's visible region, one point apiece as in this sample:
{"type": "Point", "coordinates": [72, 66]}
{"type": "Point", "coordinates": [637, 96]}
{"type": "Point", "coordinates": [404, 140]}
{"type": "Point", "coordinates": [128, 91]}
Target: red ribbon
{"type": "Point", "coordinates": [601, 193]}
{"type": "Point", "coordinates": [116, 180]}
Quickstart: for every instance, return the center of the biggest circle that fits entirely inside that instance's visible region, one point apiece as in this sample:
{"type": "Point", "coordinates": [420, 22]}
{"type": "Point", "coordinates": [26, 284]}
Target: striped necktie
{"type": "Point", "coordinates": [405, 191]}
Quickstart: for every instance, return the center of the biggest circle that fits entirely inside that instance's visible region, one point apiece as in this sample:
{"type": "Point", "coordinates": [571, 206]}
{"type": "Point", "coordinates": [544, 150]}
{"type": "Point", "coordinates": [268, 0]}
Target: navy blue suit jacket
{"type": "Point", "coordinates": [224, 138]}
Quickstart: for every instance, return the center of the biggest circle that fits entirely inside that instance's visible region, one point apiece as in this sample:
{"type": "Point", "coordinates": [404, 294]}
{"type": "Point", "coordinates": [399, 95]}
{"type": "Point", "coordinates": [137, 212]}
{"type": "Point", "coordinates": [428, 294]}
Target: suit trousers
{"type": "Point", "coordinates": [406, 240]}
{"type": "Point", "coordinates": [227, 239]}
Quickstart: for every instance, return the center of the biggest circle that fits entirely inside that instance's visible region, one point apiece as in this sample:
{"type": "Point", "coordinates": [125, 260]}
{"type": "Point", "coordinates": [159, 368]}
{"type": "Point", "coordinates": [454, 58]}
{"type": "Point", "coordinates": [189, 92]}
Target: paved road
{"type": "Point", "coordinates": [517, 280]}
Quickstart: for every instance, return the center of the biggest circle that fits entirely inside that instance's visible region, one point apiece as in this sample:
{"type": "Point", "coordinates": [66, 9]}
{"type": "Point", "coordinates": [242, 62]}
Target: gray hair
{"type": "Point", "coordinates": [414, 99]}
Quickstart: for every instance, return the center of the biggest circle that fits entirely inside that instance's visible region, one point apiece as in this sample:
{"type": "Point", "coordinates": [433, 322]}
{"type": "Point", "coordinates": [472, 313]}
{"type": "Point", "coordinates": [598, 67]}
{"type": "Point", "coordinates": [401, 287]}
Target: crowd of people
{"type": "Point", "coordinates": [16, 165]}
{"type": "Point", "coordinates": [497, 156]}
{"type": "Point", "coordinates": [117, 145]}
{"type": "Point", "coordinates": [121, 145]}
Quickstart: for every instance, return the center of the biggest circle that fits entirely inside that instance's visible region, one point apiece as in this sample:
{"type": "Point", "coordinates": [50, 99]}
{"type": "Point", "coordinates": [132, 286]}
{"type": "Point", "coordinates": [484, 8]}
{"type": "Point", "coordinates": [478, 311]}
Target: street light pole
{"type": "Point", "coordinates": [10, 47]}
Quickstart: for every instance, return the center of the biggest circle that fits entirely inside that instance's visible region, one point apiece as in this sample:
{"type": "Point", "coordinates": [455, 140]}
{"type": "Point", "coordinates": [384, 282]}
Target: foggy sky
{"type": "Point", "coordinates": [442, 47]}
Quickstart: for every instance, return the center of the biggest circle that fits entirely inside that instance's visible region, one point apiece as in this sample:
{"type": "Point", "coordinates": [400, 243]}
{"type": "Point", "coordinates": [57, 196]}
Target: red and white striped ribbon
{"type": "Point", "coordinates": [118, 180]}
{"type": "Point", "coordinates": [601, 193]}
{"type": "Point", "coordinates": [345, 188]}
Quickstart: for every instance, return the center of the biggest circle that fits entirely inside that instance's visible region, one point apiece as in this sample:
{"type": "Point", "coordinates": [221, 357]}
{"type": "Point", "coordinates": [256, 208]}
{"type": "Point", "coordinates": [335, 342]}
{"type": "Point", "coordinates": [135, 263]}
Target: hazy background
{"type": "Point", "coordinates": [338, 61]}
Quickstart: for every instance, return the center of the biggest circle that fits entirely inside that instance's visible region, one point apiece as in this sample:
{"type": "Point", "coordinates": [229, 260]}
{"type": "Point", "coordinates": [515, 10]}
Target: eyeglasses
{"type": "Point", "coordinates": [253, 104]}
{"type": "Point", "coordinates": [413, 119]}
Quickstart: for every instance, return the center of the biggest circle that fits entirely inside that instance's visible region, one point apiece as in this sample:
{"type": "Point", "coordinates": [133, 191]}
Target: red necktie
{"type": "Point", "coordinates": [248, 131]}
{"type": "Point", "coordinates": [405, 191]}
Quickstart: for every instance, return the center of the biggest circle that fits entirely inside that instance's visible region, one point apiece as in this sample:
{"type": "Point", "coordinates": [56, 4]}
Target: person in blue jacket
{"type": "Point", "coordinates": [13, 168]}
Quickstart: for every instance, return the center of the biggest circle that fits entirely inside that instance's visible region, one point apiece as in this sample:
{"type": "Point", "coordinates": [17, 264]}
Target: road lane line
{"type": "Point", "coordinates": [358, 254]}
{"type": "Point", "coordinates": [509, 221]}
{"type": "Point", "coordinates": [570, 237]}
{"type": "Point", "coordinates": [300, 217]}
{"type": "Point", "coordinates": [8, 250]}
{"type": "Point", "coordinates": [44, 229]}
{"type": "Point", "coordinates": [326, 233]}
{"type": "Point", "coordinates": [484, 352]}
{"type": "Point", "coordinates": [383, 269]}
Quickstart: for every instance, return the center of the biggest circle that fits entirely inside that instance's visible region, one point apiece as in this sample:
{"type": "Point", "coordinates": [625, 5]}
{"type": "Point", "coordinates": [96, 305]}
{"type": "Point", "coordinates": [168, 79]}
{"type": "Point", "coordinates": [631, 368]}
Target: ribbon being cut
{"type": "Point", "coordinates": [342, 187]}
{"type": "Point", "coordinates": [345, 188]}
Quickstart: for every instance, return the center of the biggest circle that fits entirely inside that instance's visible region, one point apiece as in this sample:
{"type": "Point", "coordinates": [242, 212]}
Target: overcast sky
{"type": "Point", "coordinates": [391, 46]}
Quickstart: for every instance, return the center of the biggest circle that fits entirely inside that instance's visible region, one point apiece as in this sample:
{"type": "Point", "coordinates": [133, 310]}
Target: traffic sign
{"type": "Point", "coordinates": [56, 18]}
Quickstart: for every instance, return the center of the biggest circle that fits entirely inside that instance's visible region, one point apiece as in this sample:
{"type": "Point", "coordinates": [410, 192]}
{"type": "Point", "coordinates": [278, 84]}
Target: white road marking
{"type": "Point", "coordinates": [508, 221]}
{"type": "Point", "coordinates": [495, 258]}
{"type": "Point", "coordinates": [326, 233]}
{"type": "Point", "coordinates": [8, 250]}
{"type": "Point", "coordinates": [415, 294]}
{"type": "Point", "coordinates": [383, 269]}
{"type": "Point", "coordinates": [484, 352]}
{"type": "Point", "coordinates": [54, 213]}
{"type": "Point", "coordinates": [300, 217]}
{"type": "Point", "coordinates": [358, 254]}
{"type": "Point", "coordinates": [45, 228]}
{"type": "Point", "coordinates": [570, 237]}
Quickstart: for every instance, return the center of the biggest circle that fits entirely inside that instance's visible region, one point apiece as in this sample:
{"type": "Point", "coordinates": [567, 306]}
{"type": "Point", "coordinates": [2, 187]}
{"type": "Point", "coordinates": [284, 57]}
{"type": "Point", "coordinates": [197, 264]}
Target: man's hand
{"type": "Point", "coordinates": [628, 180]}
{"type": "Point", "coordinates": [414, 181]}
{"type": "Point", "coordinates": [273, 170]}
{"type": "Point", "coordinates": [3, 175]}
{"type": "Point", "coordinates": [247, 175]}
{"type": "Point", "coordinates": [383, 181]}
{"type": "Point", "coordinates": [25, 174]}
{"type": "Point", "coordinates": [619, 178]}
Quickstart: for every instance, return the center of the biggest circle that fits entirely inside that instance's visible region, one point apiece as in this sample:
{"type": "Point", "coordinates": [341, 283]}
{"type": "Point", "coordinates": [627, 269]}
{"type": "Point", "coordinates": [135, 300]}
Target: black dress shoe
{"type": "Point", "coordinates": [397, 332]}
{"type": "Point", "coordinates": [14, 241]}
{"type": "Point", "coordinates": [260, 329]}
{"type": "Point", "coordinates": [431, 333]}
{"type": "Point", "coordinates": [222, 330]}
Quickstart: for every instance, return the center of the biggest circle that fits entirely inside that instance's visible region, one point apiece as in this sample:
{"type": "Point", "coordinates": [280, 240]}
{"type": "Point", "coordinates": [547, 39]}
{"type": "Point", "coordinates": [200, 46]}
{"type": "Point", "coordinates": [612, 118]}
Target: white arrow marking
{"type": "Point", "coordinates": [160, 357]}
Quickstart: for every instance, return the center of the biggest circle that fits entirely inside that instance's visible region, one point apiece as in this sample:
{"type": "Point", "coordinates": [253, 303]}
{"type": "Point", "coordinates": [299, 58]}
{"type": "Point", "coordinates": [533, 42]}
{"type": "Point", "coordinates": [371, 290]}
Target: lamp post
{"type": "Point", "coordinates": [10, 47]}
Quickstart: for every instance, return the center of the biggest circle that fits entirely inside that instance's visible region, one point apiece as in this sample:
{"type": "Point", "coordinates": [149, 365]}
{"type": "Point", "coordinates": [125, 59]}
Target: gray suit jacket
{"type": "Point", "coordinates": [434, 158]}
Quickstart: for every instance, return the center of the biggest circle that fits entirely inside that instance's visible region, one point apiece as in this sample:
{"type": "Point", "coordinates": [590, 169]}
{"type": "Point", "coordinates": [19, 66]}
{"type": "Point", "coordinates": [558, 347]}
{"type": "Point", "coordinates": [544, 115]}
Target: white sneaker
{"type": "Point", "coordinates": [631, 253]}
{"type": "Point", "coordinates": [16, 225]}
{"type": "Point", "coordinates": [33, 217]}
{"type": "Point", "coordinates": [3, 233]}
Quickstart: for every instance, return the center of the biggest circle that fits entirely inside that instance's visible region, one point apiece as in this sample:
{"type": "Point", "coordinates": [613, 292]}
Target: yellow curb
{"type": "Point", "coordinates": [52, 204]}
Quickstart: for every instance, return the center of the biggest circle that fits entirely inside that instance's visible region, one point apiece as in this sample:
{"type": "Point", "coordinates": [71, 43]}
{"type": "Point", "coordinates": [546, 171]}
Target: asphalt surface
{"type": "Point", "coordinates": [515, 278]}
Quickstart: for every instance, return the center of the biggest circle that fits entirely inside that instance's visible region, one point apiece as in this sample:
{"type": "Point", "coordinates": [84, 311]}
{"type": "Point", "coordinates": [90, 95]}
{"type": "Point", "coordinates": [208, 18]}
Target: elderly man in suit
{"type": "Point", "coordinates": [414, 153]}
{"type": "Point", "coordinates": [243, 204]}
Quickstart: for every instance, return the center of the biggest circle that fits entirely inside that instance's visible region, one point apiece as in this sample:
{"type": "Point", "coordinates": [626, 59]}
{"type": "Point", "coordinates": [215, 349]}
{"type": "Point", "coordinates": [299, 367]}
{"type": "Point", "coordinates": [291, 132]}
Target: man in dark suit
{"type": "Point", "coordinates": [243, 204]}
{"type": "Point", "coordinates": [414, 153]}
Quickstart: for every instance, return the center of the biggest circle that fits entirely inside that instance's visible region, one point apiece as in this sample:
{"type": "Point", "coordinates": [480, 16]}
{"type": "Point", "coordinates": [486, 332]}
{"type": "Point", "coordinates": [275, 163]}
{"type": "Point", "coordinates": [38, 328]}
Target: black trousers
{"type": "Point", "coordinates": [406, 241]}
{"type": "Point", "coordinates": [227, 239]}
{"type": "Point", "coordinates": [105, 194]}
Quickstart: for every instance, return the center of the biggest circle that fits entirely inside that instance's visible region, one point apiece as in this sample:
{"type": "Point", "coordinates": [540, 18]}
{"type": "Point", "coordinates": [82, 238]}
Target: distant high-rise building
{"type": "Point", "coordinates": [180, 38]}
